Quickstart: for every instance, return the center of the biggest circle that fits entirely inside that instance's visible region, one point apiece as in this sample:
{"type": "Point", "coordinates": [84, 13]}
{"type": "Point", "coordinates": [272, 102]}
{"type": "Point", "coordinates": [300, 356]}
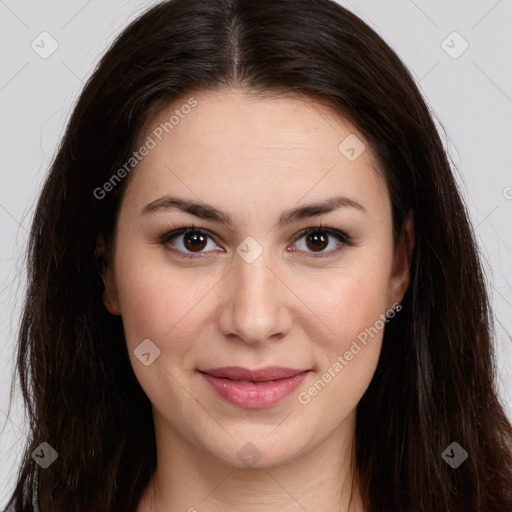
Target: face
{"type": "Point", "coordinates": [260, 290]}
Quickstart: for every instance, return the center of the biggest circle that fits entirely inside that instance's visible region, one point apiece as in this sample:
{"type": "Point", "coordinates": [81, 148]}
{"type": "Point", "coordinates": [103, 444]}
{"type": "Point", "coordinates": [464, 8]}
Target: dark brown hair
{"type": "Point", "coordinates": [434, 383]}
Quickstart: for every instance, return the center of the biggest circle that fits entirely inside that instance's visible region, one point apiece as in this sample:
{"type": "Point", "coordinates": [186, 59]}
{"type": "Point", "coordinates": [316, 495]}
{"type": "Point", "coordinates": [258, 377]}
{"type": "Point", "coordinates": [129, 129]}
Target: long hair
{"type": "Point", "coordinates": [435, 381]}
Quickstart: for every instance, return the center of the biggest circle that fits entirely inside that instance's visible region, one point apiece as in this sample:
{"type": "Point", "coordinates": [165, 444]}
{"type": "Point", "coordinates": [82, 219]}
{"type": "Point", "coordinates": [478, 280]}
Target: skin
{"type": "Point", "coordinates": [254, 158]}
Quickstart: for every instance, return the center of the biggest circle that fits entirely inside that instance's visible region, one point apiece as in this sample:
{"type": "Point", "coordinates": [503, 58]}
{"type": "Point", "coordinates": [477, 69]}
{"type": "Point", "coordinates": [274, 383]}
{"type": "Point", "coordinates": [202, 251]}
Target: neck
{"type": "Point", "coordinates": [190, 480]}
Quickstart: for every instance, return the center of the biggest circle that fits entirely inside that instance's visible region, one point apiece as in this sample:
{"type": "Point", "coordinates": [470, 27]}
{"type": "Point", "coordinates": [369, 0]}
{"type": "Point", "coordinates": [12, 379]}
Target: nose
{"type": "Point", "coordinates": [256, 301]}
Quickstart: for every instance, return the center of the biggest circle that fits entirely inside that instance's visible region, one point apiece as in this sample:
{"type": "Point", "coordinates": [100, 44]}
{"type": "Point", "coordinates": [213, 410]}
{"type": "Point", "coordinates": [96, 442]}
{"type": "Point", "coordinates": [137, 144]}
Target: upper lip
{"type": "Point", "coordinates": [259, 375]}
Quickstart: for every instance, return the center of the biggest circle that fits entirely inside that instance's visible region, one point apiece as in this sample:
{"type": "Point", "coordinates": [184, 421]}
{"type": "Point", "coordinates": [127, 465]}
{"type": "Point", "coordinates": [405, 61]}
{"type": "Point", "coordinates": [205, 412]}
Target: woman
{"type": "Point", "coordinates": [253, 284]}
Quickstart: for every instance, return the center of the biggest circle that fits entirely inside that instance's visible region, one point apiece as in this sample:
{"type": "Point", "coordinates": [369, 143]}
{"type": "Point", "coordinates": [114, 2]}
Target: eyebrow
{"type": "Point", "coordinates": [209, 212]}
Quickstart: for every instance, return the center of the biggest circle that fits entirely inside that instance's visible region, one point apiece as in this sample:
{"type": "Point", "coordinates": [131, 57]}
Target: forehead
{"type": "Point", "coordinates": [222, 119]}
{"type": "Point", "coordinates": [267, 149]}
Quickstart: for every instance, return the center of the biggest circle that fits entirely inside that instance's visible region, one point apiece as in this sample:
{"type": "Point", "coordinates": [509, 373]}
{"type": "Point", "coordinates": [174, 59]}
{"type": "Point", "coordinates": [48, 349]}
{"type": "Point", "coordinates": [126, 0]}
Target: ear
{"type": "Point", "coordinates": [401, 273]}
{"type": "Point", "coordinates": [106, 271]}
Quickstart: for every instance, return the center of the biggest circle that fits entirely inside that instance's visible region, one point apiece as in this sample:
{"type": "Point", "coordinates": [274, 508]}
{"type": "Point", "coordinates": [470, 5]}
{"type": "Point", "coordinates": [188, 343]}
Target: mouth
{"type": "Point", "coordinates": [253, 389]}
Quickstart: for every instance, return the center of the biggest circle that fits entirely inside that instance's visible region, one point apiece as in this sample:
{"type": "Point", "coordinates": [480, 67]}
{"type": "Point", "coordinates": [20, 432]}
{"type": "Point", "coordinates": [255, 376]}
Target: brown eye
{"type": "Point", "coordinates": [194, 241]}
{"type": "Point", "coordinates": [187, 241]}
{"type": "Point", "coordinates": [317, 241]}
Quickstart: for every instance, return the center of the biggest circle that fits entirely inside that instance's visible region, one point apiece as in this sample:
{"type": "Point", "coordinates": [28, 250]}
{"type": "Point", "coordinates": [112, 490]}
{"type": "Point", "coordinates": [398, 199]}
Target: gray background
{"type": "Point", "coordinates": [470, 96]}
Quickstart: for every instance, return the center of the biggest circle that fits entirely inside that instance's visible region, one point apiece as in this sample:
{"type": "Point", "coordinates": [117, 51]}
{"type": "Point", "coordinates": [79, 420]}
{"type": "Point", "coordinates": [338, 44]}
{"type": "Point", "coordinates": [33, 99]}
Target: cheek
{"type": "Point", "coordinates": [155, 308]}
{"type": "Point", "coordinates": [347, 303]}
{"type": "Point", "coordinates": [360, 306]}
{"type": "Point", "coordinates": [161, 303]}
{"type": "Point", "coordinates": [145, 295]}
{"type": "Point", "coordinates": [347, 352]}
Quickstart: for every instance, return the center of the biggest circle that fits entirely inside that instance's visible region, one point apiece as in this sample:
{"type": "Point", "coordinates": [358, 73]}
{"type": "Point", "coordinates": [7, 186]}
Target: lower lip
{"type": "Point", "coordinates": [254, 396]}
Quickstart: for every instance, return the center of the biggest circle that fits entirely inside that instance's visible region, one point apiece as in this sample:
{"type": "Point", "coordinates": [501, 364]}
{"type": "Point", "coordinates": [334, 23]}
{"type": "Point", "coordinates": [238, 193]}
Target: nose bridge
{"type": "Point", "coordinates": [254, 279]}
{"type": "Point", "coordinates": [256, 309]}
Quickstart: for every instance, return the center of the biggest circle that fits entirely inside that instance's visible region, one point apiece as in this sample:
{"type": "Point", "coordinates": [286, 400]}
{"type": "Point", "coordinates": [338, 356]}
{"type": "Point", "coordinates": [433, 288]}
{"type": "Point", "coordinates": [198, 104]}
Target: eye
{"type": "Point", "coordinates": [317, 240]}
{"type": "Point", "coordinates": [193, 241]}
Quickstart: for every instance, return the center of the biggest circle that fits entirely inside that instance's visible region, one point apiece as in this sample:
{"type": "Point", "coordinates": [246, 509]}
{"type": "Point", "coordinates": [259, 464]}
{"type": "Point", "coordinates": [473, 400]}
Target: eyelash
{"type": "Point", "coordinates": [343, 238]}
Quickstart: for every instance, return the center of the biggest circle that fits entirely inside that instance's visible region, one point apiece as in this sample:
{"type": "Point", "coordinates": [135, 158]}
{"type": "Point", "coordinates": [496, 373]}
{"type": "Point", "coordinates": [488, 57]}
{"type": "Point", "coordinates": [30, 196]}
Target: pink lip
{"type": "Point", "coordinates": [268, 385]}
